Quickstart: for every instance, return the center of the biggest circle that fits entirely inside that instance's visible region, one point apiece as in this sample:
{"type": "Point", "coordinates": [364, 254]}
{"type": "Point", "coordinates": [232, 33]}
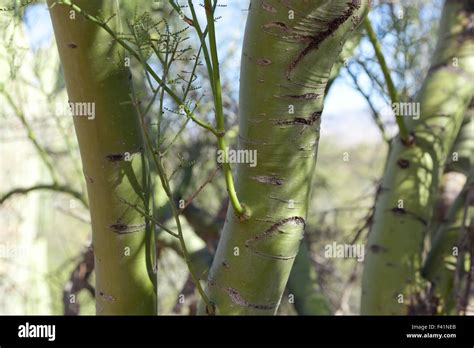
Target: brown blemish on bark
{"type": "Point", "coordinates": [88, 178]}
{"type": "Point", "coordinates": [403, 163]}
{"type": "Point", "coordinates": [375, 248]}
{"type": "Point", "coordinates": [237, 298]}
{"type": "Point", "coordinates": [122, 228]}
{"type": "Point", "coordinates": [269, 8]}
{"type": "Point", "coordinates": [124, 156]}
{"type": "Point", "coordinates": [279, 25]}
{"type": "Point", "coordinates": [398, 211]}
{"type": "Point", "coordinates": [263, 61]}
{"type": "Point", "coordinates": [300, 120]}
{"type": "Point", "coordinates": [115, 157]}
{"type": "Point", "coordinates": [107, 297]}
{"type": "Point", "coordinates": [402, 211]}
{"type": "Point", "coordinates": [306, 96]}
{"type": "Point", "coordinates": [272, 180]}
{"type": "Point", "coordinates": [72, 45]}
{"type": "Point", "coordinates": [315, 40]}
{"type": "Point", "coordinates": [250, 243]}
{"type": "Point", "coordinates": [411, 140]}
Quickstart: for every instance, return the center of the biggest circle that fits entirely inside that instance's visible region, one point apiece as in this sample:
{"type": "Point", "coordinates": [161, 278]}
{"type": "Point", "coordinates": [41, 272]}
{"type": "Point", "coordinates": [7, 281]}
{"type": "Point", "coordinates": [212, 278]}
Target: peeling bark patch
{"type": "Point", "coordinates": [269, 8]}
{"type": "Point", "coordinates": [275, 228]}
{"type": "Point", "coordinates": [263, 61]}
{"type": "Point", "coordinates": [375, 248]}
{"type": "Point", "coordinates": [235, 296]}
{"type": "Point", "coordinates": [272, 180]}
{"type": "Point", "coordinates": [318, 38]}
{"type": "Point", "coordinates": [301, 120]}
{"type": "Point", "coordinates": [403, 163]}
{"type": "Point", "coordinates": [122, 228]}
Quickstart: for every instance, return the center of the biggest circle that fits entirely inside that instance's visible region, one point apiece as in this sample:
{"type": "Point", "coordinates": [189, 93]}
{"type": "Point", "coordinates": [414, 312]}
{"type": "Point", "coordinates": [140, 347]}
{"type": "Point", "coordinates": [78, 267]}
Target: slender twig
{"type": "Point", "coordinates": [239, 208]}
{"type": "Point", "coordinates": [148, 68]}
{"type": "Point", "coordinates": [375, 115]}
{"type": "Point", "coordinates": [166, 187]}
{"type": "Point", "coordinates": [195, 194]}
{"type": "Point", "coordinates": [48, 187]}
{"type": "Point", "coordinates": [32, 137]}
{"type": "Point", "coordinates": [201, 36]}
{"type": "Point", "coordinates": [149, 217]}
{"type": "Point", "coordinates": [392, 91]}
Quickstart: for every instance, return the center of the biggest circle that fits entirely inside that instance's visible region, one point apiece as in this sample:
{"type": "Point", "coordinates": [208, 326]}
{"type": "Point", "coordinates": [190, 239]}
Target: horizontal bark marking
{"type": "Point", "coordinates": [301, 120]}
{"type": "Point", "coordinates": [122, 228]}
{"type": "Point", "coordinates": [123, 156]}
{"type": "Point", "coordinates": [402, 211]}
{"type": "Point", "coordinates": [375, 248]}
{"type": "Point", "coordinates": [250, 243]}
{"type": "Point", "coordinates": [237, 298]}
{"type": "Point", "coordinates": [263, 61]}
{"type": "Point", "coordinates": [279, 25]}
{"type": "Point", "coordinates": [107, 297]}
{"type": "Point", "coordinates": [306, 96]}
{"type": "Point", "coordinates": [272, 180]}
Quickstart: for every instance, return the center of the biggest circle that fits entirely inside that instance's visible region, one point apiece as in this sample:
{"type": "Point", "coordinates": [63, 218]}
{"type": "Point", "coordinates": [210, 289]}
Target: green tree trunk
{"type": "Point", "coordinates": [440, 265]}
{"type": "Point", "coordinates": [289, 50]}
{"type": "Point", "coordinates": [449, 216]}
{"type": "Point", "coordinates": [112, 151]}
{"type": "Point", "coordinates": [459, 162]}
{"type": "Point", "coordinates": [303, 285]}
{"type": "Point", "coordinates": [406, 198]}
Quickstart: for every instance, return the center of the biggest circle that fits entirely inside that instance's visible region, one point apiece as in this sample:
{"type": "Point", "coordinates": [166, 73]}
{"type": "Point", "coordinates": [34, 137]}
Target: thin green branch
{"type": "Point", "coordinates": [151, 218]}
{"type": "Point", "coordinates": [202, 38]}
{"type": "Point", "coordinates": [239, 208]}
{"type": "Point", "coordinates": [157, 159]}
{"type": "Point", "coordinates": [392, 91]}
{"type": "Point", "coordinates": [148, 68]}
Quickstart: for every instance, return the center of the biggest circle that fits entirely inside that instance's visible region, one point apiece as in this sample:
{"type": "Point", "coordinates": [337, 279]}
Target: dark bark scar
{"type": "Point", "coordinates": [275, 228]}
{"type": "Point", "coordinates": [237, 298]}
{"type": "Point", "coordinates": [301, 120]}
{"type": "Point", "coordinates": [318, 38]}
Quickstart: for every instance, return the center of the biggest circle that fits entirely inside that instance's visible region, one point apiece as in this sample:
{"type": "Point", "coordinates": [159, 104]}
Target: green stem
{"type": "Point", "coordinates": [392, 91]}
{"type": "Point", "coordinates": [136, 55]}
{"type": "Point", "coordinates": [239, 208]}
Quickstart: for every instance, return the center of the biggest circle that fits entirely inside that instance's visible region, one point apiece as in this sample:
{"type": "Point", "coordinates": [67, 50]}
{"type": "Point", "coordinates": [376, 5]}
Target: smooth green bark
{"type": "Point", "coordinates": [303, 285]}
{"type": "Point", "coordinates": [405, 202]}
{"type": "Point", "coordinates": [112, 152]}
{"type": "Point", "coordinates": [289, 50]}
{"type": "Point", "coordinates": [440, 265]}
{"type": "Point", "coordinates": [450, 220]}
